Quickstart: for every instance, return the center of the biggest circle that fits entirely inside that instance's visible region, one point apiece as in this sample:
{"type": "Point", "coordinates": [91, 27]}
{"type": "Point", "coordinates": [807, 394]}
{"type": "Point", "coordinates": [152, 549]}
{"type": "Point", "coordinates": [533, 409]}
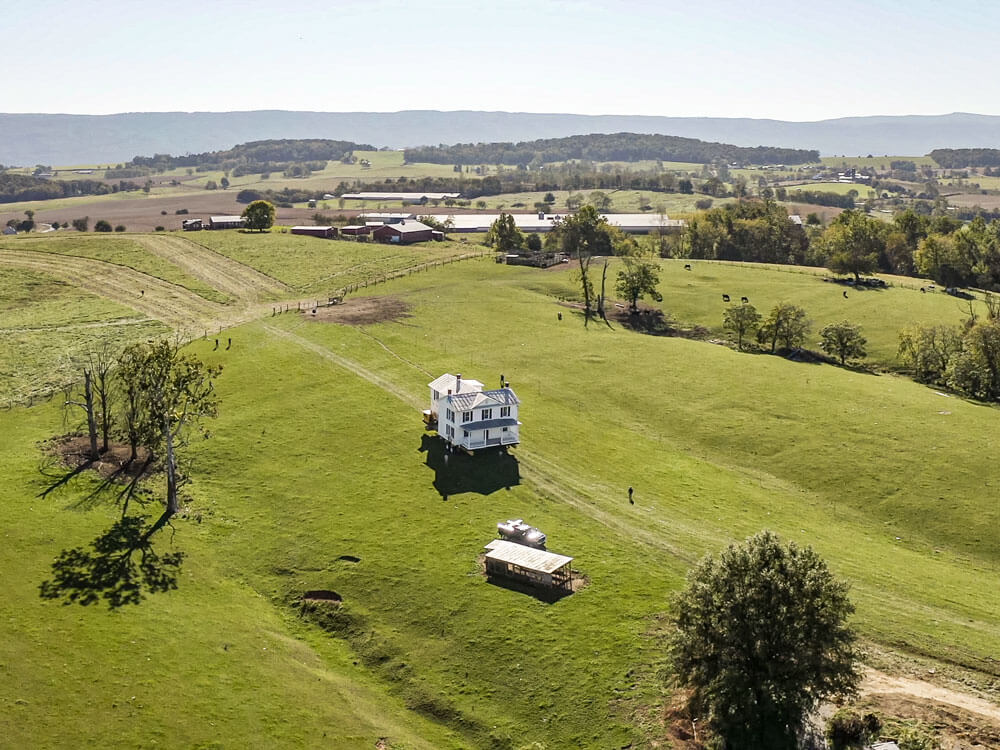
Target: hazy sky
{"type": "Point", "coordinates": [784, 59]}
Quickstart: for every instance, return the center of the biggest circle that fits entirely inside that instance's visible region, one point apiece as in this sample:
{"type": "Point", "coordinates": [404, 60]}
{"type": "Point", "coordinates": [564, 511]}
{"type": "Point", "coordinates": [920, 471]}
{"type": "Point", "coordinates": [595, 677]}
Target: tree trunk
{"type": "Point", "coordinates": [604, 278]}
{"type": "Point", "coordinates": [88, 397]}
{"type": "Point", "coordinates": [173, 504]}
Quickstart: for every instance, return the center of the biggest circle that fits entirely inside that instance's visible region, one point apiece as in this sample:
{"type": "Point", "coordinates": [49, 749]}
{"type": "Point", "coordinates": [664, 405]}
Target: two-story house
{"type": "Point", "coordinates": [468, 417]}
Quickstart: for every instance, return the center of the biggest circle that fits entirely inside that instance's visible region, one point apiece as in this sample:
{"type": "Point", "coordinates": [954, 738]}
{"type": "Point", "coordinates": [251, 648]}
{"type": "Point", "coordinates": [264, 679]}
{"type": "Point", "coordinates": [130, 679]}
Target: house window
{"type": "Point", "coordinates": [504, 411]}
{"type": "Point", "coordinates": [466, 416]}
{"type": "Point", "coordinates": [450, 414]}
{"type": "Point", "coordinates": [465, 433]}
{"type": "Point", "coordinates": [487, 414]}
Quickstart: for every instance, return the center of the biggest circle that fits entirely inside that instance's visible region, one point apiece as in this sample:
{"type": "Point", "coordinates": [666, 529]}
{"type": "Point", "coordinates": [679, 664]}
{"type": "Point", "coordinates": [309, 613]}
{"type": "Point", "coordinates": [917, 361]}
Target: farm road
{"type": "Point", "coordinates": [224, 274]}
{"type": "Point", "coordinates": [876, 682]}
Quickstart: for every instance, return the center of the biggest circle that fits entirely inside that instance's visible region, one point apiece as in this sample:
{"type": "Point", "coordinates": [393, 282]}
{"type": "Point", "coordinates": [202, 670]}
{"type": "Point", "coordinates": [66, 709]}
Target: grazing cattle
{"type": "Point", "coordinates": [216, 345]}
{"type": "Point", "coordinates": [687, 266]}
{"type": "Point", "coordinates": [923, 290]}
{"type": "Point", "coordinates": [229, 344]}
{"type": "Point", "coordinates": [725, 298]}
{"type": "Point", "coordinates": [845, 294]}
{"type": "Point", "coordinates": [745, 300]}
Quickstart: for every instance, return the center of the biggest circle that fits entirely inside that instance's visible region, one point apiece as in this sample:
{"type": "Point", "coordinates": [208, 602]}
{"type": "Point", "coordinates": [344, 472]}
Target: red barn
{"type": "Point", "coordinates": [325, 232]}
{"type": "Point", "coordinates": [404, 233]}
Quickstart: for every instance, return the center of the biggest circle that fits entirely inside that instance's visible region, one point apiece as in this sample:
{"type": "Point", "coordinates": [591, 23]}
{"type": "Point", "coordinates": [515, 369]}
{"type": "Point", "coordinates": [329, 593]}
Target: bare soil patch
{"type": "Point", "coordinates": [361, 311]}
{"type": "Point", "coordinates": [73, 451]}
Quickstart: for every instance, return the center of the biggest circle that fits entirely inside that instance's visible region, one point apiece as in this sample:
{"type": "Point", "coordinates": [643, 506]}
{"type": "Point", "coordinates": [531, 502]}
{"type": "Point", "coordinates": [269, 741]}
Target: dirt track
{"type": "Point", "coordinates": [153, 297]}
{"type": "Point", "coordinates": [224, 274]}
{"type": "Point", "coordinates": [880, 683]}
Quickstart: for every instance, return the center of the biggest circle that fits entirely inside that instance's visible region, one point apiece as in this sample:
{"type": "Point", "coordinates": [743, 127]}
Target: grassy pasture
{"type": "Point", "coordinates": [121, 251]}
{"type": "Point", "coordinates": [312, 266]}
{"type": "Point", "coordinates": [841, 188]}
{"type": "Point", "coordinates": [318, 453]}
{"type": "Point", "coordinates": [47, 323]}
{"type": "Point", "coordinates": [876, 162]}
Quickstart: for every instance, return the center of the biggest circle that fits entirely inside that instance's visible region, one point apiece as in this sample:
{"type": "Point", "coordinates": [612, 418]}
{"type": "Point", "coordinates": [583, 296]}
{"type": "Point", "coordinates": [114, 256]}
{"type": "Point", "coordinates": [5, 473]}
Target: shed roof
{"type": "Point", "coordinates": [312, 229]}
{"type": "Point", "coordinates": [528, 558]}
{"type": "Point", "coordinates": [225, 219]}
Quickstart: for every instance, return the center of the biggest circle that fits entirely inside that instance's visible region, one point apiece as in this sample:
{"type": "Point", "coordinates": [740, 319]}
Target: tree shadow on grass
{"type": "Point", "coordinates": [484, 473]}
{"type": "Point", "coordinates": [653, 322]}
{"type": "Point", "coordinates": [120, 567]}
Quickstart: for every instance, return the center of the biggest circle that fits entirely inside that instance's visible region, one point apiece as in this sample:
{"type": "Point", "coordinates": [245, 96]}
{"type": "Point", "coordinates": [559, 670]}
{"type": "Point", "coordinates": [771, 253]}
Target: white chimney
{"type": "Point", "coordinates": [458, 383]}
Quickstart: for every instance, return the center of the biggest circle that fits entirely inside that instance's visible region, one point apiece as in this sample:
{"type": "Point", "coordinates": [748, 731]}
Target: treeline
{"type": "Point", "coordinates": [753, 231]}
{"type": "Point", "coordinates": [821, 198]}
{"type": "Point", "coordinates": [627, 147]}
{"type": "Point", "coordinates": [15, 188]}
{"type": "Point", "coordinates": [270, 155]}
{"type": "Point", "coordinates": [956, 158]}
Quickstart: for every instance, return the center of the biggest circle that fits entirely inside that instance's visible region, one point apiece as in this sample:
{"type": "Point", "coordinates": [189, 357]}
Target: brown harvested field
{"type": "Point", "coordinates": [144, 214]}
{"type": "Point", "coordinates": [989, 202]}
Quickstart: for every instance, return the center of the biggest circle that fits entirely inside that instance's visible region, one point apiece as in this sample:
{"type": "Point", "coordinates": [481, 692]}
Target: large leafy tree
{"type": "Point", "coordinates": [259, 215]}
{"type": "Point", "coordinates": [854, 242]}
{"type": "Point", "coordinates": [741, 320]}
{"type": "Point", "coordinates": [639, 277]}
{"type": "Point", "coordinates": [786, 325]}
{"type": "Point", "coordinates": [843, 340]}
{"type": "Point", "coordinates": [583, 235]}
{"type": "Point", "coordinates": [504, 235]}
{"type": "Point", "coordinates": [761, 638]}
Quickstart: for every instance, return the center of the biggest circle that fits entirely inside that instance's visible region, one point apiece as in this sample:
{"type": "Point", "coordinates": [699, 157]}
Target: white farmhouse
{"type": "Point", "coordinates": [468, 417]}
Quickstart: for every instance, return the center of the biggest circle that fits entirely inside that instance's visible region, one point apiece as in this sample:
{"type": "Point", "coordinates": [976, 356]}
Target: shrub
{"type": "Point", "coordinates": [849, 729]}
{"type": "Point", "coordinates": [160, 229]}
{"type": "Point", "coordinates": [120, 228]}
{"type": "Point", "coordinates": [180, 211]}
{"type": "Point", "coordinates": [102, 226]}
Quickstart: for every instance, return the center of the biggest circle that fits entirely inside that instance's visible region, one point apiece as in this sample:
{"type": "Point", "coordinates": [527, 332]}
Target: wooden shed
{"type": "Point", "coordinates": [325, 232]}
{"type": "Point", "coordinates": [355, 230]}
{"type": "Point", "coordinates": [527, 565]}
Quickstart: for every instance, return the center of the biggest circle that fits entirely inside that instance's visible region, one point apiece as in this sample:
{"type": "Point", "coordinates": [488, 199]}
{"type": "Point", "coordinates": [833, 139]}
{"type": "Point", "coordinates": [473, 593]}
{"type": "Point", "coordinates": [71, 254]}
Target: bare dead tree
{"type": "Point", "coordinates": [87, 404]}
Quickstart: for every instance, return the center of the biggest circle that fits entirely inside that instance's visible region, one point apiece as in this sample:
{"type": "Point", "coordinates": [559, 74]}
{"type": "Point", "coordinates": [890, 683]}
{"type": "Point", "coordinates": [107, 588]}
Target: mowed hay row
{"type": "Point", "coordinates": [225, 274]}
{"type": "Point", "coordinates": [169, 303]}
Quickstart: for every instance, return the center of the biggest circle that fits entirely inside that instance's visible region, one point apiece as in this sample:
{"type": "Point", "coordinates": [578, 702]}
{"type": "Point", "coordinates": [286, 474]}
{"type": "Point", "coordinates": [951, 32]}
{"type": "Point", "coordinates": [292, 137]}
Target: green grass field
{"type": "Point", "coordinates": [319, 453]}
{"type": "Point", "coordinates": [312, 266]}
{"type": "Point", "coordinates": [877, 162]}
{"type": "Point", "coordinates": [121, 251]}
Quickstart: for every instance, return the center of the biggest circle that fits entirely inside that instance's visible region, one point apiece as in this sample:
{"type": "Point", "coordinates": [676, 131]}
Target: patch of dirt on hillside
{"type": "Point", "coordinates": [362, 311]}
{"type": "Point", "coordinates": [72, 451]}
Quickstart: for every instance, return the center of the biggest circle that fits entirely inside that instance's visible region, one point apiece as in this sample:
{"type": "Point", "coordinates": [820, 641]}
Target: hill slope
{"type": "Point", "coordinates": [60, 139]}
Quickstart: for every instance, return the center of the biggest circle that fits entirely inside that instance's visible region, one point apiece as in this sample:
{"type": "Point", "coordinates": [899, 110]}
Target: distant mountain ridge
{"type": "Point", "coordinates": [60, 139]}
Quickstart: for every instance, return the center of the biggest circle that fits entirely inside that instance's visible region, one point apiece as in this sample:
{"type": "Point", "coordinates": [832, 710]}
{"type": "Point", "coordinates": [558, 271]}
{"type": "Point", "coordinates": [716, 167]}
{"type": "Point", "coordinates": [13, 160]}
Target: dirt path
{"type": "Point", "coordinates": [224, 274]}
{"type": "Point", "coordinates": [153, 297]}
{"type": "Point", "coordinates": [80, 326]}
{"type": "Point", "coordinates": [880, 683]}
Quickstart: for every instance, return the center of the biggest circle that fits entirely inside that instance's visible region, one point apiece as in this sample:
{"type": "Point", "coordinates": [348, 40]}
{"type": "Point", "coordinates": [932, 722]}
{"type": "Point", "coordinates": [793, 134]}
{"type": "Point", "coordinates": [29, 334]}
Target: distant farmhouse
{"type": "Point", "coordinates": [537, 223]}
{"type": "Point", "coordinates": [470, 418]}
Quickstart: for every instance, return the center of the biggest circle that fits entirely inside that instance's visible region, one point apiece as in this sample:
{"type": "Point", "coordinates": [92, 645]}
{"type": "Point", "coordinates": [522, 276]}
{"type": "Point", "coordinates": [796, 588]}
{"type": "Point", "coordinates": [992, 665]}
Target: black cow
{"type": "Point", "coordinates": [725, 298]}
{"type": "Point", "coordinates": [744, 300]}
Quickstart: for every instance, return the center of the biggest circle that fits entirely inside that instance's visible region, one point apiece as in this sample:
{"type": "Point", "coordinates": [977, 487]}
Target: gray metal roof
{"type": "Point", "coordinates": [499, 397]}
{"type": "Point", "coordinates": [449, 382]}
{"type": "Point", "coordinates": [490, 424]}
{"type": "Point", "coordinates": [528, 558]}
{"type": "Point", "coordinates": [405, 228]}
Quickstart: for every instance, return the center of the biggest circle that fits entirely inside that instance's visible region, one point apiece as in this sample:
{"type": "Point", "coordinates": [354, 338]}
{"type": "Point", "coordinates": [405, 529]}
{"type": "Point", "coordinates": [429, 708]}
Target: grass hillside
{"type": "Point", "coordinates": [319, 476]}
